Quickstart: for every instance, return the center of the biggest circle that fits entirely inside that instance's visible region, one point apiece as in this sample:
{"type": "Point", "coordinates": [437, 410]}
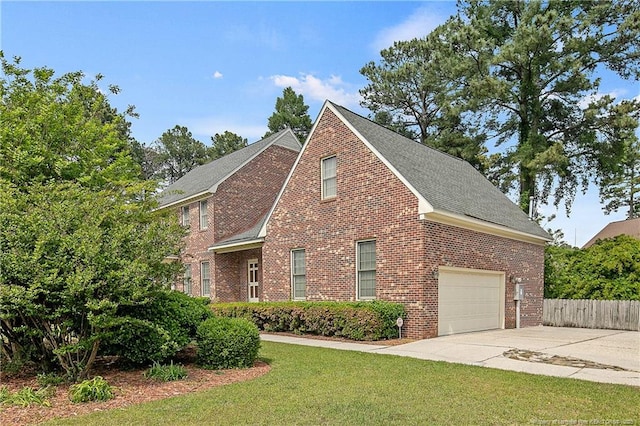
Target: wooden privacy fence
{"type": "Point", "coordinates": [611, 314]}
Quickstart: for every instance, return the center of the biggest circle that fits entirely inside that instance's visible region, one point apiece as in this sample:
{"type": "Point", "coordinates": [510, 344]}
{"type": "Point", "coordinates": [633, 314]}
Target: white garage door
{"type": "Point", "coordinates": [469, 300]}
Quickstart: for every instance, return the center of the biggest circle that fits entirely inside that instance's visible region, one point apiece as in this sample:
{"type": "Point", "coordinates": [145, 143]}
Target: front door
{"type": "Point", "coordinates": [252, 270]}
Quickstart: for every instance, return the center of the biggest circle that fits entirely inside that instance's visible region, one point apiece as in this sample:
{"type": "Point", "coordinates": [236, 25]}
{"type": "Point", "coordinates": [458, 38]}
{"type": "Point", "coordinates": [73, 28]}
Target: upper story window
{"type": "Point", "coordinates": [298, 274]}
{"type": "Point", "coordinates": [328, 172]}
{"type": "Point", "coordinates": [204, 218]}
{"type": "Point", "coordinates": [366, 269]}
{"type": "Point", "coordinates": [184, 215]}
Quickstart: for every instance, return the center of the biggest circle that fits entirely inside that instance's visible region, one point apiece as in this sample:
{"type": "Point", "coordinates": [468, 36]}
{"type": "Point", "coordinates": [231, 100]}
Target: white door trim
{"type": "Point", "coordinates": [252, 280]}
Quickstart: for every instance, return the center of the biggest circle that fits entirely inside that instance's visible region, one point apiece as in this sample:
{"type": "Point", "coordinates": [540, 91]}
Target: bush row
{"type": "Point", "coordinates": [155, 331]}
{"type": "Point", "coordinates": [375, 320]}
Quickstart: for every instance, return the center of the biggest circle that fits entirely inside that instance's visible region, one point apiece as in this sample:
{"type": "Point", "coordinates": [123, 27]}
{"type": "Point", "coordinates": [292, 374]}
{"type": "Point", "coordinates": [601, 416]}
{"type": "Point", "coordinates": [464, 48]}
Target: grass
{"type": "Point", "coordinates": [310, 386]}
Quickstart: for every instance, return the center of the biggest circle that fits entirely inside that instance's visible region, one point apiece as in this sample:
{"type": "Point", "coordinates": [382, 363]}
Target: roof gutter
{"type": "Point", "coordinates": [188, 200]}
{"type": "Point", "coordinates": [478, 225]}
{"type": "Point", "coordinates": [237, 246]}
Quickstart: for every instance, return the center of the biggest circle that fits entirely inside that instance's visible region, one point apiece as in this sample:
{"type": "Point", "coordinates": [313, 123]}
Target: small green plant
{"type": "Point", "coordinates": [49, 379]}
{"type": "Point", "coordinates": [5, 394]}
{"type": "Point", "coordinates": [96, 389]}
{"type": "Point", "coordinates": [25, 396]}
{"type": "Point", "coordinates": [166, 373]}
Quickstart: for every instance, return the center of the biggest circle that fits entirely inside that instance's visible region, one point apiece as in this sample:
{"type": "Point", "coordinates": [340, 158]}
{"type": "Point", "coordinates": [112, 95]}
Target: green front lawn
{"type": "Point", "coordinates": [314, 386]}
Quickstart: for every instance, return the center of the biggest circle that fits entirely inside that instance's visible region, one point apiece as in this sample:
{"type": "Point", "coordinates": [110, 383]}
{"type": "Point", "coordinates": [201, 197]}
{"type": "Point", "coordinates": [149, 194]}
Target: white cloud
{"type": "Point", "coordinates": [217, 75]}
{"type": "Point", "coordinates": [314, 88]}
{"type": "Point", "coordinates": [417, 25]}
{"type": "Point", "coordinates": [205, 127]}
{"type": "Point", "coordinates": [618, 95]}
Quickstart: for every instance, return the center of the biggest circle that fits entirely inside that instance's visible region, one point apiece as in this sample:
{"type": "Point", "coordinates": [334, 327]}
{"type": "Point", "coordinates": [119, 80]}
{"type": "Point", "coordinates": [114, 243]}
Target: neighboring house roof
{"type": "Point", "coordinates": [629, 227]}
{"type": "Point", "coordinates": [449, 190]}
{"type": "Point", "coordinates": [204, 180]}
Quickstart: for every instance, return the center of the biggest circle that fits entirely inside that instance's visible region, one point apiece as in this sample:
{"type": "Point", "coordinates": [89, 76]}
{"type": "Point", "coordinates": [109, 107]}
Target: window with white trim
{"type": "Point", "coordinates": [205, 277]}
{"type": "Point", "coordinates": [186, 280]}
{"type": "Point", "coordinates": [185, 216]}
{"type": "Point", "coordinates": [298, 274]}
{"type": "Point", "coordinates": [204, 218]}
{"type": "Point", "coordinates": [328, 171]}
{"type": "Point", "coordinates": [366, 269]}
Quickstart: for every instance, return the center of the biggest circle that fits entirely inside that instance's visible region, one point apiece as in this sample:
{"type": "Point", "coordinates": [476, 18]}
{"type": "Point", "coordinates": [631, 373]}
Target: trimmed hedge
{"type": "Point", "coordinates": [227, 343]}
{"type": "Point", "coordinates": [375, 320]}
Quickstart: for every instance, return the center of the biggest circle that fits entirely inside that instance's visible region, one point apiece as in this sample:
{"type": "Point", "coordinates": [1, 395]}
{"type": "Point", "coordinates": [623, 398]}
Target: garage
{"type": "Point", "coordinates": [469, 300]}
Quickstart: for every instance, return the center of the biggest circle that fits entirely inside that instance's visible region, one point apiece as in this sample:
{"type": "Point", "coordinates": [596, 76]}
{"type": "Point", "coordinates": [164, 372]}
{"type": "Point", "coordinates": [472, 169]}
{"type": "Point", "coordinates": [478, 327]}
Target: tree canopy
{"type": "Point", "coordinates": [225, 143]}
{"type": "Point", "coordinates": [609, 270]}
{"type": "Point", "coordinates": [177, 152]}
{"type": "Point", "coordinates": [291, 112]}
{"type": "Point", "coordinates": [57, 128]}
{"type": "Point", "coordinates": [620, 178]}
{"type": "Point", "coordinates": [412, 87]}
{"type": "Point", "coordinates": [78, 230]}
{"type": "Point", "coordinates": [521, 71]}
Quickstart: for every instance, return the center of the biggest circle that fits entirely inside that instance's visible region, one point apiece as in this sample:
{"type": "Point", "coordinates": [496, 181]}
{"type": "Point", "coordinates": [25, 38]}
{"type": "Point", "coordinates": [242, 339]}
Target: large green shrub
{"type": "Point", "coordinates": [156, 330]}
{"type": "Point", "coordinates": [374, 320]}
{"type": "Point", "coordinates": [227, 343]}
{"type": "Point", "coordinates": [608, 270]}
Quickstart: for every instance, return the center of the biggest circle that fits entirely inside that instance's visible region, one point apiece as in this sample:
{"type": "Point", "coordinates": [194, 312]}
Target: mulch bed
{"type": "Point", "coordinates": [131, 387]}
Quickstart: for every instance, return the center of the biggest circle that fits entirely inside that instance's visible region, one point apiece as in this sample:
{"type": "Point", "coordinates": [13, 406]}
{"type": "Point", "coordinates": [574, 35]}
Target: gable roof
{"type": "Point", "coordinates": [204, 180]}
{"type": "Point", "coordinates": [629, 227]}
{"type": "Point", "coordinates": [449, 190]}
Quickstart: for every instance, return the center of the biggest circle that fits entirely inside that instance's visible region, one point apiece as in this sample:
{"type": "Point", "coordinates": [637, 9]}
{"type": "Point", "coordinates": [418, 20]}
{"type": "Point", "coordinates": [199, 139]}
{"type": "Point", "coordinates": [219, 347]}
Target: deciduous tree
{"type": "Point", "coordinates": [79, 236]}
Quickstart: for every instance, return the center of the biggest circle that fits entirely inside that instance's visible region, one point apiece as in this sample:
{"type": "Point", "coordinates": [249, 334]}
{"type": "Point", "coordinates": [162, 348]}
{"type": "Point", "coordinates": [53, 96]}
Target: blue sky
{"type": "Point", "coordinates": [216, 66]}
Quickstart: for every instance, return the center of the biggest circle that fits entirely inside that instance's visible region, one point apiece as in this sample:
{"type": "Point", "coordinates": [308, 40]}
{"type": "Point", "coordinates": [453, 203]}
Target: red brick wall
{"type": "Point", "coordinates": [372, 203]}
{"type": "Point", "coordinates": [249, 194]}
{"type": "Point", "coordinates": [237, 205]}
{"type": "Point", "coordinates": [232, 275]}
{"type": "Point", "coordinates": [463, 248]}
{"type": "Point", "coordinates": [196, 243]}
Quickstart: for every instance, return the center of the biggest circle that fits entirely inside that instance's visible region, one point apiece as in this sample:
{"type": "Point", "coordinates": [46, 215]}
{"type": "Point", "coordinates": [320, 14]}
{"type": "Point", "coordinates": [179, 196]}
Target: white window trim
{"type": "Point", "coordinates": [189, 268]}
{"type": "Point", "coordinates": [358, 268]}
{"type": "Point", "coordinates": [202, 278]}
{"type": "Point", "coordinates": [323, 178]}
{"type": "Point", "coordinates": [293, 289]}
{"type": "Point", "coordinates": [186, 223]}
{"type": "Point", "coordinates": [204, 216]}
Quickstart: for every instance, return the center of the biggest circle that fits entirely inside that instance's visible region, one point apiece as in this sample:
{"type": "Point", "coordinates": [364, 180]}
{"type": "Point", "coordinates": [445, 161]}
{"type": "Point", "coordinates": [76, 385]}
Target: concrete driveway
{"type": "Point", "coordinates": [610, 356]}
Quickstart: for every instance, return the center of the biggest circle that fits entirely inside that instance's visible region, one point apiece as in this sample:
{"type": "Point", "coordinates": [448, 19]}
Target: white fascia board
{"type": "Point", "coordinates": [214, 188]}
{"type": "Point", "coordinates": [189, 200]}
{"type": "Point", "coordinates": [448, 218]}
{"type": "Point", "coordinates": [263, 230]}
{"type": "Point", "coordinates": [423, 205]}
{"type": "Point", "coordinates": [231, 247]}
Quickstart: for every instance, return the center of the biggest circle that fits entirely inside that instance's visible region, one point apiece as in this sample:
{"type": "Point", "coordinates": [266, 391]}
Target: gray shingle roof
{"type": "Point", "coordinates": [205, 177]}
{"type": "Point", "coordinates": [446, 182]}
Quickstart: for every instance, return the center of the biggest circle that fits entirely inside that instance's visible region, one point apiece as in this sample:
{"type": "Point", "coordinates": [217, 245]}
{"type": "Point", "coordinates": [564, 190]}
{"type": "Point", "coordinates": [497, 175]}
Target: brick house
{"type": "Point", "coordinates": [368, 214]}
{"type": "Point", "coordinates": [224, 204]}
